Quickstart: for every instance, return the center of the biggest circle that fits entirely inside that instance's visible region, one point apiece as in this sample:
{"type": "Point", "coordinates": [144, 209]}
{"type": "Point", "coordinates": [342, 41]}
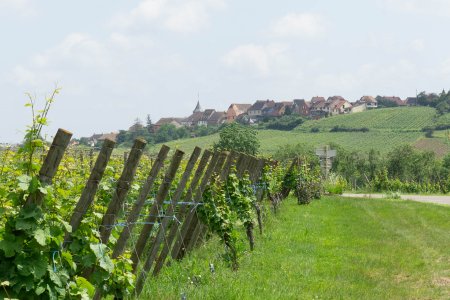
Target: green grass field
{"type": "Point", "coordinates": [334, 248]}
{"type": "Point", "coordinates": [387, 119]}
{"type": "Point", "coordinates": [388, 128]}
{"type": "Point", "coordinates": [272, 140]}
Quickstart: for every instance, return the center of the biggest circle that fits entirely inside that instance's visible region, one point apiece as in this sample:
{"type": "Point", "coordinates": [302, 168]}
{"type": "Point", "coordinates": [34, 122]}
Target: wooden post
{"type": "Point", "coordinates": [245, 161]}
{"type": "Point", "coordinates": [51, 163]}
{"type": "Point", "coordinates": [195, 221]}
{"type": "Point", "coordinates": [156, 208]}
{"type": "Point", "coordinates": [166, 221]}
{"type": "Point", "coordinates": [123, 186]}
{"type": "Point", "coordinates": [91, 158]}
{"type": "Point", "coordinates": [89, 191]}
{"type": "Point", "coordinates": [125, 157]}
{"type": "Point", "coordinates": [182, 210]}
{"type": "Point", "coordinates": [139, 204]}
{"type": "Point", "coordinates": [186, 227]}
{"type": "Point", "coordinates": [201, 229]}
{"type": "Point", "coordinates": [259, 193]}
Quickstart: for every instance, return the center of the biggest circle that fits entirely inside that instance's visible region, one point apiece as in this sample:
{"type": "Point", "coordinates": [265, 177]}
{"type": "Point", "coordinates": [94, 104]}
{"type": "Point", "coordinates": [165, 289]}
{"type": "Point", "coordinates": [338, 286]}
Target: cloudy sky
{"type": "Point", "coordinates": [119, 60]}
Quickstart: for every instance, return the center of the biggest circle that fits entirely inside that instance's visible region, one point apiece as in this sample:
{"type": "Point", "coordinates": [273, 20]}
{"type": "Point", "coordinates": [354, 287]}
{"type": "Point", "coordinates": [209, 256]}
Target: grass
{"type": "Point", "coordinates": [390, 119]}
{"type": "Point", "coordinates": [333, 248]}
{"type": "Point", "coordinates": [272, 140]}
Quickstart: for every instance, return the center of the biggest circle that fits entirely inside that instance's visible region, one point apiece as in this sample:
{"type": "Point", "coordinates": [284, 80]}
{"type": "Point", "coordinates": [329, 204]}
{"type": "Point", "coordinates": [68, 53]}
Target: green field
{"type": "Point", "coordinates": [386, 119]}
{"type": "Point", "coordinates": [388, 128]}
{"type": "Point", "coordinates": [334, 248]}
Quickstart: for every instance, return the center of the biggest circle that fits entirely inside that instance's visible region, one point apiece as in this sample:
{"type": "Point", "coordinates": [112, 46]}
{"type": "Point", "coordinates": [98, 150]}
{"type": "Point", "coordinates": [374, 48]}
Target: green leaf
{"type": "Point", "coordinates": [85, 285]}
{"type": "Point", "coordinates": [67, 256]}
{"type": "Point", "coordinates": [10, 245]}
{"type": "Point", "coordinates": [24, 182]}
{"type": "Point", "coordinates": [67, 226]}
{"type": "Point", "coordinates": [37, 143]}
{"type": "Point", "coordinates": [103, 258]}
{"type": "Point", "coordinates": [40, 290]}
{"type": "Point", "coordinates": [41, 236]}
{"type": "Point", "coordinates": [54, 276]}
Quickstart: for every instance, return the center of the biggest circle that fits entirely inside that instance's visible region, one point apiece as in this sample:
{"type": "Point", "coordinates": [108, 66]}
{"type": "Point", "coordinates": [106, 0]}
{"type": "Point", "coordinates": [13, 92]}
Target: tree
{"type": "Point", "coordinates": [149, 124]}
{"type": "Point", "coordinates": [238, 138]}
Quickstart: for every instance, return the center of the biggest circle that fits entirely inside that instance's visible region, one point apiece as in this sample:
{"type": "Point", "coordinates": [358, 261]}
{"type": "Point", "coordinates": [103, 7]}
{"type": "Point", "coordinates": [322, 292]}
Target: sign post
{"type": "Point", "coordinates": [325, 154]}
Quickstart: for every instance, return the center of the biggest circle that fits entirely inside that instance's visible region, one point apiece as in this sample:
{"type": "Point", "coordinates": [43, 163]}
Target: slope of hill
{"type": "Point", "coordinates": [387, 119]}
{"type": "Point", "coordinates": [388, 128]}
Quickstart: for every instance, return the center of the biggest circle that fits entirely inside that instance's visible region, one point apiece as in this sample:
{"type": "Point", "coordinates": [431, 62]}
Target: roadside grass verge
{"type": "Point", "coordinates": [334, 248]}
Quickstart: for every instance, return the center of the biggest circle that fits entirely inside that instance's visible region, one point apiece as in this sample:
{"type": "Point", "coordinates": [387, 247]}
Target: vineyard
{"type": "Point", "coordinates": [401, 125]}
{"type": "Point", "coordinates": [272, 140]}
{"type": "Point", "coordinates": [387, 119]}
{"type": "Point", "coordinates": [76, 224]}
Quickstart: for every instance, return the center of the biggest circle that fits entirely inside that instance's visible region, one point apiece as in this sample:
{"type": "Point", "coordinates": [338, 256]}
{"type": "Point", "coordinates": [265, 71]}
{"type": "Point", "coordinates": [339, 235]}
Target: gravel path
{"type": "Point", "coordinates": [428, 199]}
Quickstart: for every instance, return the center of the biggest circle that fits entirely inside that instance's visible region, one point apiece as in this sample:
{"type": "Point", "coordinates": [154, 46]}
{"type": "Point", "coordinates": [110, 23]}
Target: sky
{"type": "Point", "coordinates": [116, 61]}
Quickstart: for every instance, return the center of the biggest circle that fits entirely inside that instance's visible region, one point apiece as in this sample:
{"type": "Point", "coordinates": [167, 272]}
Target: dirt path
{"type": "Point", "coordinates": [428, 199]}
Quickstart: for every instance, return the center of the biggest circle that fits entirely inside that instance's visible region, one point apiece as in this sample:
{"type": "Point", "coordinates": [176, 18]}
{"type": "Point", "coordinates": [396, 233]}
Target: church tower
{"type": "Point", "coordinates": [197, 108]}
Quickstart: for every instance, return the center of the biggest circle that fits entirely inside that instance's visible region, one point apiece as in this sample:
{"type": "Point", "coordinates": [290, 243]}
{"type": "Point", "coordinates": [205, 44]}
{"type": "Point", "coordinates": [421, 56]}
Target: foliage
{"type": "Point", "coordinates": [383, 102]}
{"type": "Point", "coordinates": [335, 184]}
{"type": "Point", "coordinates": [289, 152]}
{"type": "Point", "coordinates": [216, 213]}
{"type": "Point", "coordinates": [224, 203]}
{"type": "Point", "coordinates": [35, 259]}
{"type": "Point", "coordinates": [287, 122]}
{"type": "Point", "coordinates": [338, 128]}
{"type": "Point", "coordinates": [308, 183]}
{"type": "Point", "coordinates": [238, 138]}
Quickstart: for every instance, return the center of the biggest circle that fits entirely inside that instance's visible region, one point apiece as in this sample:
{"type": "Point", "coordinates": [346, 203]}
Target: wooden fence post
{"type": "Point", "coordinates": [186, 227]}
{"type": "Point", "coordinates": [188, 236]}
{"type": "Point", "coordinates": [139, 204]}
{"type": "Point", "coordinates": [123, 186]}
{"type": "Point", "coordinates": [89, 191]}
{"type": "Point", "coordinates": [91, 158]}
{"type": "Point", "coordinates": [261, 163]}
{"type": "Point", "coordinates": [125, 157]}
{"type": "Point", "coordinates": [182, 210]}
{"type": "Point", "coordinates": [164, 223]}
{"type": "Point", "coordinates": [51, 163]}
{"type": "Point", "coordinates": [156, 208]}
{"type": "Point", "coordinates": [201, 229]}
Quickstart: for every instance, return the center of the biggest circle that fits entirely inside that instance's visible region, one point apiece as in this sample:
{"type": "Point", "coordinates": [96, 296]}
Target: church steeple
{"type": "Point", "coordinates": [198, 108]}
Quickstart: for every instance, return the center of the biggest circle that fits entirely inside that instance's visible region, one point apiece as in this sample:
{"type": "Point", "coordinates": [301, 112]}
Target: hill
{"type": "Point", "coordinates": [388, 128]}
{"type": "Point", "coordinates": [386, 119]}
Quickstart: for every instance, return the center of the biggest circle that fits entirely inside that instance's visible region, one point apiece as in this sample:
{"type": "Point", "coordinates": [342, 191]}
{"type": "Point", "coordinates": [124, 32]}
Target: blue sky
{"type": "Point", "coordinates": [119, 60]}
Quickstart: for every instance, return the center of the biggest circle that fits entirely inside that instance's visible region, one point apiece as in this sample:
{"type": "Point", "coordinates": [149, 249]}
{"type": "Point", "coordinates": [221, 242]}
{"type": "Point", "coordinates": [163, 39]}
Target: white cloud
{"type": "Point", "coordinates": [24, 8]}
{"type": "Point", "coordinates": [418, 45]}
{"type": "Point", "coordinates": [430, 7]}
{"type": "Point", "coordinates": [255, 58]}
{"type": "Point", "coordinates": [369, 76]}
{"type": "Point", "coordinates": [146, 11]}
{"type": "Point", "coordinates": [301, 24]}
{"type": "Point", "coordinates": [76, 51]}
{"type": "Point", "coordinates": [178, 16]}
{"type": "Point", "coordinates": [187, 18]}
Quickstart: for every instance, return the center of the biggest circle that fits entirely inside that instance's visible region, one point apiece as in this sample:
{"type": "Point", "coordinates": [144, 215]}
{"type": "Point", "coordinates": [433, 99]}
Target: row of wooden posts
{"type": "Point", "coordinates": [179, 228]}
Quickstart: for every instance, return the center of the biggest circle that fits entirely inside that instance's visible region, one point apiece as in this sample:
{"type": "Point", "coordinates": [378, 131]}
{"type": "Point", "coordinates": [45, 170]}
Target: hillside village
{"type": "Point", "coordinates": [251, 114]}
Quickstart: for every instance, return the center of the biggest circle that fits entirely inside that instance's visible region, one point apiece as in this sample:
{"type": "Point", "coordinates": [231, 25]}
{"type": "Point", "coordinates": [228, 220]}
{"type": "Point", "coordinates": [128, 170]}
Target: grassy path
{"type": "Point", "coordinates": [335, 248]}
{"type": "Point", "coordinates": [445, 200]}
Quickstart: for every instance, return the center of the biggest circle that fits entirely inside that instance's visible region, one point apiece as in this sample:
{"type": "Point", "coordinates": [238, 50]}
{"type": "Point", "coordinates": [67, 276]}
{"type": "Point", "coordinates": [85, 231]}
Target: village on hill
{"type": "Point", "coordinates": [251, 114]}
